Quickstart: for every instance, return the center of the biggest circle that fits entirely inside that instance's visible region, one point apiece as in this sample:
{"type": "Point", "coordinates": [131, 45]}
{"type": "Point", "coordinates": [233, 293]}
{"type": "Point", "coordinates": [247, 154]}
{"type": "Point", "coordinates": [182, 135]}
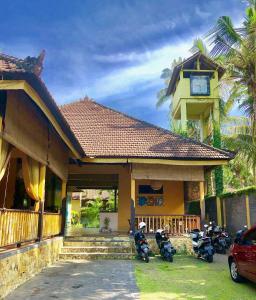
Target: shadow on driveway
{"type": "Point", "coordinates": [100, 279]}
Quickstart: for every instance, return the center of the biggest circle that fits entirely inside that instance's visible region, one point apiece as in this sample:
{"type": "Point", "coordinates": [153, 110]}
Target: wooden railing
{"type": "Point", "coordinates": [17, 226]}
{"type": "Point", "coordinates": [51, 224]}
{"type": "Point", "coordinates": [21, 226]}
{"type": "Point", "coordinates": [173, 224]}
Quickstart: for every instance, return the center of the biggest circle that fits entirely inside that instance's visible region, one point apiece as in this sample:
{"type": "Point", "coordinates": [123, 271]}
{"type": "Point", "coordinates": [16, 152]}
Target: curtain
{"type": "Point", "coordinates": [5, 155]}
{"type": "Point", "coordinates": [34, 178]}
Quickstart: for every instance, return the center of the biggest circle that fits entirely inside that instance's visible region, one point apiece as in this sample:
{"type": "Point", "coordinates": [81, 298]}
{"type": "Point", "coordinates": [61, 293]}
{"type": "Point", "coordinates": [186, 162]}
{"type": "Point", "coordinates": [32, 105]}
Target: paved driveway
{"type": "Point", "coordinates": [100, 279]}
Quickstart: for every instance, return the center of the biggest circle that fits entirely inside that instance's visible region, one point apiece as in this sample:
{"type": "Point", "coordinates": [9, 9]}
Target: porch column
{"type": "Point", "coordinates": [68, 212]}
{"type": "Point", "coordinates": [202, 201]}
{"type": "Point", "coordinates": [63, 206]}
{"type": "Point", "coordinates": [183, 112]}
{"type": "Point", "coordinates": [133, 197]}
{"type": "Point", "coordinates": [40, 204]}
{"type": "Point", "coordinates": [219, 214]}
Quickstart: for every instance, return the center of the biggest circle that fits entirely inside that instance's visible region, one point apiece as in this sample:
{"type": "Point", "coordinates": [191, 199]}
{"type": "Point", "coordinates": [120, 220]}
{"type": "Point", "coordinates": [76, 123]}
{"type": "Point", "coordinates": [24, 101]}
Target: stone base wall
{"type": "Point", "coordinates": [183, 244]}
{"type": "Point", "coordinates": [19, 265]}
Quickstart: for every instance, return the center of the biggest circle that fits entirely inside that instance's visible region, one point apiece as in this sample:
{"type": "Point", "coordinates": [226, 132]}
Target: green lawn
{"type": "Point", "coordinates": [189, 278]}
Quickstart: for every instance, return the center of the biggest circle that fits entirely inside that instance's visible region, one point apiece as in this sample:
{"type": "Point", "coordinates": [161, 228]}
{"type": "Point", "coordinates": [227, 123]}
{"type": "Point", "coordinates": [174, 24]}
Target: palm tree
{"type": "Point", "coordinates": [240, 139]}
{"type": "Point", "coordinates": [237, 48]}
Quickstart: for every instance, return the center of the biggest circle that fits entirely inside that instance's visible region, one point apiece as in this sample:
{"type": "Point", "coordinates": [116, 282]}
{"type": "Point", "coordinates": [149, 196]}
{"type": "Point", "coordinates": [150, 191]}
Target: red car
{"type": "Point", "coordinates": [242, 259]}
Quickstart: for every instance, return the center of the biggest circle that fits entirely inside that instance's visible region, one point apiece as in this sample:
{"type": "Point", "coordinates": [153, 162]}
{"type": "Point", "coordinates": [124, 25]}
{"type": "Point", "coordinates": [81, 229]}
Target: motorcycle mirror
{"type": "Point", "coordinates": [205, 225]}
{"type": "Point", "coordinates": [210, 223]}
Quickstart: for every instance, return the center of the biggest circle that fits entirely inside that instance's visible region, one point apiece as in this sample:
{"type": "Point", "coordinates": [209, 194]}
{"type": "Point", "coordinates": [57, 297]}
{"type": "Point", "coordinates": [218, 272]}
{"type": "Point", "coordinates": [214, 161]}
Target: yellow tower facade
{"type": "Point", "coordinates": [194, 88]}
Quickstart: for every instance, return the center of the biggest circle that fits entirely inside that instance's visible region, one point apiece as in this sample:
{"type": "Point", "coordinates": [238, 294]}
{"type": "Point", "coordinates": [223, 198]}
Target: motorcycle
{"type": "Point", "coordinates": [141, 243]}
{"type": "Point", "coordinates": [143, 250]}
{"type": "Point", "coordinates": [202, 245]}
{"type": "Point", "coordinates": [227, 238]}
{"type": "Point", "coordinates": [218, 239]}
{"type": "Point", "coordinates": [165, 246]}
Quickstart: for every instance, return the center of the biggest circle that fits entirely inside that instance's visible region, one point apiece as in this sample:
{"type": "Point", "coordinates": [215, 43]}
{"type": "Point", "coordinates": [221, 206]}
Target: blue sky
{"type": "Point", "coordinates": [111, 50]}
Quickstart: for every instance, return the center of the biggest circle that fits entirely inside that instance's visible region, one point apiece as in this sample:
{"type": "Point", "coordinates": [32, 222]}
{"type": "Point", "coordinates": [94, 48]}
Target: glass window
{"type": "Point", "coordinates": [250, 238]}
{"type": "Point", "coordinates": [199, 85]}
{"type": "Point", "coordinates": [147, 189]}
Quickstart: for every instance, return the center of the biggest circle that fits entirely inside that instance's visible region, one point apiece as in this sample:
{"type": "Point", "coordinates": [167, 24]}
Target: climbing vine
{"type": "Point", "coordinates": [218, 172]}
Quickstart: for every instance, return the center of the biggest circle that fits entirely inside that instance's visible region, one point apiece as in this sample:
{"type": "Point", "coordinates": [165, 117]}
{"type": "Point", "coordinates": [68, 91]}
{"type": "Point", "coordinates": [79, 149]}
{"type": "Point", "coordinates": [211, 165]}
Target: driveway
{"type": "Point", "coordinates": [90, 280]}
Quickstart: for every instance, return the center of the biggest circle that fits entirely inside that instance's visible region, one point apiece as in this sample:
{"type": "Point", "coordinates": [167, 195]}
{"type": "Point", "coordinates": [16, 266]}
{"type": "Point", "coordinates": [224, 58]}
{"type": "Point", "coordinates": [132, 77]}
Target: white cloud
{"type": "Point", "coordinates": [146, 73]}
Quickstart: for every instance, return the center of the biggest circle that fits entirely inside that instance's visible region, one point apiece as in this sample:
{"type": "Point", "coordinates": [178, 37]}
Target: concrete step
{"type": "Point", "coordinates": [96, 249]}
{"type": "Point", "coordinates": [98, 238]}
{"type": "Point", "coordinates": [95, 255]}
{"type": "Point", "coordinates": [97, 243]}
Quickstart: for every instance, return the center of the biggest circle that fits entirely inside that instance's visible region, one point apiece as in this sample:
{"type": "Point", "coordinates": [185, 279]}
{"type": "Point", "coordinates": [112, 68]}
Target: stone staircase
{"type": "Point", "coordinates": [90, 248]}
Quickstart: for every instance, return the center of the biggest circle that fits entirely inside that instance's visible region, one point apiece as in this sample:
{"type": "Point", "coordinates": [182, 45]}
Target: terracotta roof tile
{"type": "Point", "coordinates": [104, 132]}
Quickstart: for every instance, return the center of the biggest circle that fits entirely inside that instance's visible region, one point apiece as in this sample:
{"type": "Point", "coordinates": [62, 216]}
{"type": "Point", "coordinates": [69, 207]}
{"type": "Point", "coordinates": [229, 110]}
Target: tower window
{"type": "Point", "coordinates": [199, 85]}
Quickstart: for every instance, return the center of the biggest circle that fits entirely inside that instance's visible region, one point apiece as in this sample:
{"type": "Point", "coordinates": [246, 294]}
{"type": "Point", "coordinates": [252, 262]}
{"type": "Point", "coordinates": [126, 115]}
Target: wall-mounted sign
{"type": "Point", "coordinates": [153, 200]}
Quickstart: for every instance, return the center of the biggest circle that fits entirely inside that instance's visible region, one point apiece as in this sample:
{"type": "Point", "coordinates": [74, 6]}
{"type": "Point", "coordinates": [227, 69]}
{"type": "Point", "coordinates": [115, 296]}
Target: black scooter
{"type": "Point", "coordinates": [144, 250]}
{"type": "Point", "coordinates": [165, 246]}
{"type": "Point", "coordinates": [142, 246]}
{"type": "Point", "coordinates": [202, 245]}
{"type": "Point", "coordinates": [214, 232]}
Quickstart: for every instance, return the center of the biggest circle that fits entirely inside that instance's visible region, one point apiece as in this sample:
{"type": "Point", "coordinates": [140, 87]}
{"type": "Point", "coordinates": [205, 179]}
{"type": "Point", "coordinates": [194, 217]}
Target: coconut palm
{"type": "Point", "coordinates": [237, 47]}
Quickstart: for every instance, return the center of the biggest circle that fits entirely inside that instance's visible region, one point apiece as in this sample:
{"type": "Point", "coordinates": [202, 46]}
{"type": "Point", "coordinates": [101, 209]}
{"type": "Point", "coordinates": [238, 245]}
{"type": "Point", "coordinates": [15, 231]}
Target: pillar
{"type": "Point", "coordinates": [202, 134]}
{"type": "Point", "coordinates": [248, 216]}
{"type": "Point", "coordinates": [40, 204]}
{"type": "Point", "coordinates": [68, 212]}
{"type": "Point", "coordinates": [124, 199]}
{"type": "Point", "coordinates": [133, 199]}
{"type": "Point", "coordinates": [219, 213]}
{"type": "Point", "coordinates": [183, 112]}
{"type": "Point", "coordinates": [202, 201]}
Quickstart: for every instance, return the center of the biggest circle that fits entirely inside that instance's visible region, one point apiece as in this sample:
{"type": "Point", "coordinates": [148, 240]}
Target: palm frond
{"type": "Point", "coordinates": [199, 46]}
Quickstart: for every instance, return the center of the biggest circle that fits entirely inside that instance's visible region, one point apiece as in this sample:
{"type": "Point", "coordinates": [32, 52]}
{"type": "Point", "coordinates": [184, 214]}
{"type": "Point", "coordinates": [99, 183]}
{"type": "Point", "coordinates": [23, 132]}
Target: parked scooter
{"type": "Point", "coordinates": [141, 243]}
{"type": "Point", "coordinates": [214, 232]}
{"type": "Point", "coordinates": [164, 244]}
{"type": "Point", "coordinates": [227, 238]}
{"type": "Point", "coordinates": [202, 245]}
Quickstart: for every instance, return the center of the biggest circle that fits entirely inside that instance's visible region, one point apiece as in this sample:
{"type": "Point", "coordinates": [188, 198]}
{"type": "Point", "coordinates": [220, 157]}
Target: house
{"type": "Point", "coordinates": [49, 151]}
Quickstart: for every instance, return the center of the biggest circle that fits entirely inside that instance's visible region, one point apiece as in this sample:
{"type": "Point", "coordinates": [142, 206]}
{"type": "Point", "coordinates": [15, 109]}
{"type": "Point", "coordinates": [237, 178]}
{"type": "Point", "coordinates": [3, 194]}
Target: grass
{"type": "Point", "coordinates": [189, 278]}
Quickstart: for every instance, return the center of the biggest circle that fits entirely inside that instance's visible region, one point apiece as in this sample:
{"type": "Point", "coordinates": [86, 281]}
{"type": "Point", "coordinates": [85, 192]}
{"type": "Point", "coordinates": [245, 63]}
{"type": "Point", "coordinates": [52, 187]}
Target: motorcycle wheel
{"type": "Point", "coordinates": [146, 258]}
{"type": "Point", "coordinates": [224, 251]}
{"type": "Point", "coordinates": [170, 258]}
{"type": "Point", "coordinates": [209, 258]}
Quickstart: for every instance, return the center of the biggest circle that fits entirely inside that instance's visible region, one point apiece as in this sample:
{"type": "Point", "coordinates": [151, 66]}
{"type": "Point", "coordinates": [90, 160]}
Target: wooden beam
{"type": "Point", "coordinates": [23, 85]}
{"type": "Point", "coordinates": [157, 161]}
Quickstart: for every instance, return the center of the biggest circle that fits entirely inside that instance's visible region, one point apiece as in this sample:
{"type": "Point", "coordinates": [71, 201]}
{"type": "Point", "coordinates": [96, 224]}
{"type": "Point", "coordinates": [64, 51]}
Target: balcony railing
{"type": "Point", "coordinates": [51, 224]}
{"type": "Point", "coordinates": [21, 226]}
{"type": "Point", "coordinates": [173, 224]}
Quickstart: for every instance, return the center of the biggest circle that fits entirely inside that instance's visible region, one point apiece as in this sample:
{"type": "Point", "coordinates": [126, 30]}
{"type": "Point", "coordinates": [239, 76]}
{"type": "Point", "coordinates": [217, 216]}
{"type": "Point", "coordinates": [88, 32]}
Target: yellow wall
{"type": "Point", "coordinates": [173, 192]}
{"type": "Point", "coordinates": [183, 89]}
{"type": "Point", "coordinates": [124, 188]}
{"type": "Point", "coordinates": [173, 199]}
{"type": "Point", "coordinates": [75, 205]}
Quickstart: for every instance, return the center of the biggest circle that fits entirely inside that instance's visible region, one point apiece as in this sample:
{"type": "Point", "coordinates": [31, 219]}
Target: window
{"type": "Point", "coordinates": [147, 189]}
{"type": "Point", "coordinates": [250, 239]}
{"type": "Point", "coordinates": [53, 201]}
{"type": "Point", "coordinates": [149, 196]}
{"type": "Point", "coordinates": [199, 85]}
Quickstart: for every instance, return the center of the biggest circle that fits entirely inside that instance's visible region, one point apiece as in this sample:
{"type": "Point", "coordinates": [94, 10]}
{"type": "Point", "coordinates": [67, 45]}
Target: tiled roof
{"type": "Point", "coordinates": [29, 64]}
{"type": "Point", "coordinates": [103, 132]}
{"type": "Point", "coordinates": [29, 69]}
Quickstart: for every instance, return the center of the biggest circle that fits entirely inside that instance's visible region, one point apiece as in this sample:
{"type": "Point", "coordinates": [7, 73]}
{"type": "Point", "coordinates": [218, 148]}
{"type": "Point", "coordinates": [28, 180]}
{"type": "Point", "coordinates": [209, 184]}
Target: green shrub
{"type": "Point", "coordinates": [90, 213]}
{"type": "Point", "coordinates": [75, 217]}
